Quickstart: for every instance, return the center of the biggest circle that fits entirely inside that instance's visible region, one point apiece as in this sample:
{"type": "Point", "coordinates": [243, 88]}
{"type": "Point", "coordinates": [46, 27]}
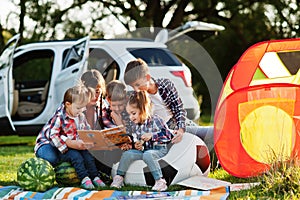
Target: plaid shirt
{"type": "Point", "coordinates": [169, 95]}
{"type": "Point", "coordinates": [154, 125]}
{"type": "Point", "coordinates": [106, 118]}
{"type": "Point", "coordinates": [60, 124]}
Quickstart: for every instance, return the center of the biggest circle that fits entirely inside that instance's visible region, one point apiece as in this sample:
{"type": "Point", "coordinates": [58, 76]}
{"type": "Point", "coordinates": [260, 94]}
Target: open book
{"type": "Point", "coordinates": [106, 139]}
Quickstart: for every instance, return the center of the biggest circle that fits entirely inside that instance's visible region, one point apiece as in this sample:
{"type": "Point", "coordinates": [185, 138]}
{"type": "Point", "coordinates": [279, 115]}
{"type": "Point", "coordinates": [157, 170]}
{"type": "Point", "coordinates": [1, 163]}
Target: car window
{"type": "Point", "coordinates": [155, 56]}
{"type": "Point", "coordinates": [100, 60]}
{"type": "Point", "coordinates": [37, 61]}
{"type": "Point", "coordinates": [73, 55]}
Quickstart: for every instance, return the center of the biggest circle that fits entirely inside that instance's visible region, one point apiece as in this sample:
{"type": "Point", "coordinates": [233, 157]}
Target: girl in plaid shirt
{"type": "Point", "coordinates": [150, 137]}
{"type": "Point", "coordinates": [59, 140]}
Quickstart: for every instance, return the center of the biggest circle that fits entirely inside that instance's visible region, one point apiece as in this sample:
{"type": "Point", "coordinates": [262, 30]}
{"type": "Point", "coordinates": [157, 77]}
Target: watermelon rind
{"type": "Point", "coordinates": [66, 175]}
{"type": "Point", "coordinates": [36, 174]}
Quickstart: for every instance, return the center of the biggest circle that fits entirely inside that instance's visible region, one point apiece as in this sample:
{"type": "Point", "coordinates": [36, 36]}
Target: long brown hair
{"type": "Point", "coordinates": [93, 79]}
{"type": "Point", "coordinates": [141, 101]}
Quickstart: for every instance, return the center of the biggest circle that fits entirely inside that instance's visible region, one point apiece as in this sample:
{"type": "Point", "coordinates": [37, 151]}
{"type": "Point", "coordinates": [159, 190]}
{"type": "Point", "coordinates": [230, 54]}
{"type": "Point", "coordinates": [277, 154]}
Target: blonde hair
{"type": "Point", "coordinates": [93, 79]}
{"type": "Point", "coordinates": [78, 94]}
{"type": "Point", "coordinates": [135, 70]}
{"type": "Point", "coordinates": [116, 91]}
{"type": "Point", "coordinates": [141, 101]}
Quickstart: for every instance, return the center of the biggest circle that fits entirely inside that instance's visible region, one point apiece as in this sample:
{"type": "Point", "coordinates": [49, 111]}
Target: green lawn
{"type": "Point", "coordinates": [13, 151]}
{"type": "Point", "coordinates": [282, 183]}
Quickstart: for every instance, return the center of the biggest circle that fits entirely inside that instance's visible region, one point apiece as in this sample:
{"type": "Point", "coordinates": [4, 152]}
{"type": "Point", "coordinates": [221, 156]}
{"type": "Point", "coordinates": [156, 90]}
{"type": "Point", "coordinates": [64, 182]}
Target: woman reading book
{"type": "Point", "coordinates": [98, 114]}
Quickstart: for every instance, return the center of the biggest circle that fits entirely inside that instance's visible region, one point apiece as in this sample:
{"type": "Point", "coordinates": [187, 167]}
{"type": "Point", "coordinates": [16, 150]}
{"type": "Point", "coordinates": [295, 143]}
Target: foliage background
{"type": "Point", "coordinates": [246, 21]}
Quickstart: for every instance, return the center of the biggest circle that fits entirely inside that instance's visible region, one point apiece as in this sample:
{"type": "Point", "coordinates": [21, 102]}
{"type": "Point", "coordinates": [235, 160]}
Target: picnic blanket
{"type": "Point", "coordinates": [15, 192]}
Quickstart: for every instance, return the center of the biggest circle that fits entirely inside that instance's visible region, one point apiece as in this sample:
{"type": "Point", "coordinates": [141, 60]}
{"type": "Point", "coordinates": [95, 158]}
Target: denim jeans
{"type": "Point", "coordinates": [206, 133]}
{"type": "Point", "coordinates": [49, 153]}
{"type": "Point", "coordinates": [82, 161]}
{"type": "Point", "coordinates": [150, 157]}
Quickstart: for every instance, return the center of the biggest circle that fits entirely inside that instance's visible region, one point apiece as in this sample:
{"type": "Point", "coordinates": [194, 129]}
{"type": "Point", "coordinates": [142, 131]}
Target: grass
{"type": "Point", "coordinates": [281, 182]}
{"type": "Point", "coordinates": [13, 151]}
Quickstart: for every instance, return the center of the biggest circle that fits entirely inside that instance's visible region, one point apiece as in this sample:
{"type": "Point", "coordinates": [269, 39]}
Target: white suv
{"type": "Point", "coordinates": [34, 77]}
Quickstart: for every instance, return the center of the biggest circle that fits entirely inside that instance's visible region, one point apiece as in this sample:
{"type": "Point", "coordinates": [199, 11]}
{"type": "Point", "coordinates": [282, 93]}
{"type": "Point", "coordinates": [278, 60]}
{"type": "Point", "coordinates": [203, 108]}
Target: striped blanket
{"type": "Point", "coordinates": [15, 192]}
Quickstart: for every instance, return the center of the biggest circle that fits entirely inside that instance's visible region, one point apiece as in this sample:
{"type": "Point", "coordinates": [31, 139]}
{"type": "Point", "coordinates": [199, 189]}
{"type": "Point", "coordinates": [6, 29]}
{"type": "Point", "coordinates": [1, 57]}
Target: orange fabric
{"type": "Point", "coordinates": [248, 63]}
{"type": "Point", "coordinates": [215, 194]}
{"type": "Point", "coordinates": [33, 194]}
{"type": "Point", "coordinates": [66, 195]}
{"type": "Point", "coordinates": [102, 195]}
{"type": "Point", "coordinates": [188, 192]}
{"type": "Point", "coordinates": [231, 154]}
{"type": "Point", "coordinates": [229, 150]}
{"type": "Point", "coordinates": [230, 112]}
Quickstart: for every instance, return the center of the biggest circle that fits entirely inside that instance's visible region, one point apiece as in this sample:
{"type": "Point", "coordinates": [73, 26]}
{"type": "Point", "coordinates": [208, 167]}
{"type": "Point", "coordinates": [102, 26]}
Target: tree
{"type": "Point", "coordinates": [280, 18]}
{"type": "Point", "coordinates": [246, 21]}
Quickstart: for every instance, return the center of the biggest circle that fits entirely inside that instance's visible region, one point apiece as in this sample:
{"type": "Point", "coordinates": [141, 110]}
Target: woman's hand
{"type": "Point", "coordinates": [177, 135]}
{"type": "Point", "coordinates": [139, 145]}
{"type": "Point", "coordinates": [146, 137]}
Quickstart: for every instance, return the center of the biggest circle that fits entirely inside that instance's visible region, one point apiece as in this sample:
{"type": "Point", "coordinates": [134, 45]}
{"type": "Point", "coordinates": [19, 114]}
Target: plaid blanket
{"type": "Point", "coordinates": [15, 192]}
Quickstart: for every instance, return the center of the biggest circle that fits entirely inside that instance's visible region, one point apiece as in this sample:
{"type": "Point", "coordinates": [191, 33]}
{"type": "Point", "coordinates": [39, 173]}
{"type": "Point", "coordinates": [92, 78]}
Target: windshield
{"type": "Point", "coordinates": [155, 56]}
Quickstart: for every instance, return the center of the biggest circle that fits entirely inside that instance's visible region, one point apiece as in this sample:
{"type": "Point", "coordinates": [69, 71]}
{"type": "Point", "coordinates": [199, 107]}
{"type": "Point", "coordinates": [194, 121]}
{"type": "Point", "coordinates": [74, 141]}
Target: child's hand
{"type": "Point", "coordinates": [146, 137]}
{"type": "Point", "coordinates": [139, 145]}
{"type": "Point", "coordinates": [177, 135]}
{"type": "Point", "coordinates": [117, 118]}
{"type": "Point", "coordinates": [126, 146]}
{"type": "Point", "coordinates": [80, 144]}
{"type": "Point", "coordinates": [76, 144]}
{"type": "Point", "coordinates": [89, 145]}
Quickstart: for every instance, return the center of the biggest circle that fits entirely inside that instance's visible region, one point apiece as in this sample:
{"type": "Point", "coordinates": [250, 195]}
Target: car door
{"type": "Point", "coordinates": [6, 84]}
{"type": "Point", "coordinates": [165, 36]}
{"type": "Point", "coordinates": [74, 64]}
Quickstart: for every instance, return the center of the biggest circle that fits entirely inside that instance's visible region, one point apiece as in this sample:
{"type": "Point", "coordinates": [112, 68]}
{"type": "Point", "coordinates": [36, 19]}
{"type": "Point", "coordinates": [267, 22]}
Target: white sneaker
{"type": "Point", "coordinates": [117, 181]}
{"type": "Point", "coordinates": [160, 185]}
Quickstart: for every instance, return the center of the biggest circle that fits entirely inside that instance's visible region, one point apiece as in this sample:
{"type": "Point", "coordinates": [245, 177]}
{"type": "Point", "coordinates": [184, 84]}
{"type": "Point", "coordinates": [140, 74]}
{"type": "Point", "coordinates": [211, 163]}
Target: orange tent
{"type": "Point", "coordinates": [258, 112]}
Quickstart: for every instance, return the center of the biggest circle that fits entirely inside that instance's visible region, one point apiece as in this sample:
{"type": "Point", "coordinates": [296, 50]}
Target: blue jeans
{"type": "Point", "coordinates": [150, 157]}
{"type": "Point", "coordinates": [82, 161]}
{"type": "Point", "coordinates": [49, 153]}
{"type": "Point", "coordinates": [206, 133]}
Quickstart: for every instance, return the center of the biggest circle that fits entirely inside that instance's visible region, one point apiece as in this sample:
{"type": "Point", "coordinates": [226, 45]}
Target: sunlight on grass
{"type": "Point", "coordinates": [14, 151]}
{"type": "Point", "coordinates": [15, 140]}
{"type": "Point", "coordinates": [9, 165]}
{"type": "Point", "coordinates": [221, 174]}
{"type": "Point", "coordinates": [281, 182]}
